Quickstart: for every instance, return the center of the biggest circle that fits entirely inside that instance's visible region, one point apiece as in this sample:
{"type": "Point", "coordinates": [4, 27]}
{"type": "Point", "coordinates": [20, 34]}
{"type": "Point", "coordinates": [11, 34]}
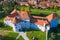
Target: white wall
{"type": "Point", "coordinates": [9, 23]}
{"type": "Point", "coordinates": [42, 28]}
{"type": "Point", "coordinates": [48, 27]}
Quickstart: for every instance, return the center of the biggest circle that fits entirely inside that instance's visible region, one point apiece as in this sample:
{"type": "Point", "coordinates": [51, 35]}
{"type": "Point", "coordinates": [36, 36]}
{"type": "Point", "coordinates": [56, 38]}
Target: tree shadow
{"type": "Point", "coordinates": [57, 37]}
{"type": "Point", "coordinates": [1, 24]}
{"type": "Point", "coordinates": [54, 33]}
{"type": "Point", "coordinates": [42, 14]}
{"type": "Point", "coordinates": [1, 37]}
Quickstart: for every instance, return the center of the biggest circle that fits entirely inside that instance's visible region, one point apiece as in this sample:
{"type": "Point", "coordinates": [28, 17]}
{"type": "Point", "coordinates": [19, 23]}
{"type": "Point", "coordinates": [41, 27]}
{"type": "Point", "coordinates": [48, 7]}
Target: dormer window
{"type": "Point", "coordinates": [18, 17]}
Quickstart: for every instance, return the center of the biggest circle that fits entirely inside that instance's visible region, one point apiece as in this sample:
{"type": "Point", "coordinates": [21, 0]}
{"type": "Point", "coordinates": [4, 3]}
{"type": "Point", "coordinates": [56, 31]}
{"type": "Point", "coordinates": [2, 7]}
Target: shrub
{"type": "Point", "coordinates": [18, 7]}
{"type": "Point", "coordinates": [1, 24]}
{"type": "Point", "coordinates": [22, 8]}
{"type": "Point", "coordinates": [27, 9]}
{"type": "Point", "coordinates": [52, 36]}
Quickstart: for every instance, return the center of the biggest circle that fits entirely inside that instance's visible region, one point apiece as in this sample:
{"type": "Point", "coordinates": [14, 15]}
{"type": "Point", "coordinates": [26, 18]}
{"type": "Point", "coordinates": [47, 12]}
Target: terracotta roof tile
{"type": "Point", "coordinates": [31, 1]}
{"type": "Point", "coordinates": [38, 17]}
{"type": "Point", "coordinates": [58, 4]}
{"type": "Point", "coordinates": [16, 15]}
{"type": "Point", "coordinates": [49, 17]}
{"type": "Point", "coordinates": [23, 3]}
{"type": "Point", "coordinates": [43, 3]}
{"type": "Point", "coordinates": [13, 17]}
{"type": "Point", "coordinates": [15, 20]}
{"type": "Point", "coordinates": [49, 4]}
{"type": "Point", "coordinates": [52, 16]}
{"type": "Point", "coordinates": [14, 11]}
{"type": "Point", "coordinates": [7, 18]}
{"type": "Point", "coordinates": [24, 14]}
{"type": "Point", "coordinates": [39, 20]}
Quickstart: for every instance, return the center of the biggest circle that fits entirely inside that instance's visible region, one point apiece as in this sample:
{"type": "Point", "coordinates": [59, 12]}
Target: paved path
{"type": "Point", "coordinates": [23, 34]}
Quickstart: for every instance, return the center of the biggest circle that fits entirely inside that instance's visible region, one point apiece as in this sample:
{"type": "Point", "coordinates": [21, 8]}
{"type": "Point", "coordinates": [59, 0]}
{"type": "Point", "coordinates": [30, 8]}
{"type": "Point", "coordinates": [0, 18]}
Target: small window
{"type": "Point", "coordinates": [18, 17]}
{"type": "Point", "coordinates": [20, 29]}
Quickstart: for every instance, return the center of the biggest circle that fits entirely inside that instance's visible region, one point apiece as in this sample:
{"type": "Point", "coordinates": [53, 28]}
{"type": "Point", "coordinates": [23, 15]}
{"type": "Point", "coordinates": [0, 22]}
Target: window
{"type": "Point", "coordinates": [18, 17]}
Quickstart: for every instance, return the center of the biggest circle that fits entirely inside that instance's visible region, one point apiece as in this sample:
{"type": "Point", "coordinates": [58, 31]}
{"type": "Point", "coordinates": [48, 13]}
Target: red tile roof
{"type": "Point", "coordinates": [49, 17]}
{"type": "Point", "coordinates": [43, 3]}
{"type": "Point", "coordinates": [34, 19]}
{"type": "Point", "coordinates": [14, 11]}
{"type": "Point", "coordinates": [50, 4]}
{"type": "Point", "coordinates": [24, 15]}
{"type": "Point", "coordinates": [39, 20]}
{"type": "Point", "coordinates": [14, 14]}
{"type": "Point", "coordinates": [23, 3]}
{"type": "Point", "coordinates": [38, 17]}
{"type": "Point", "coordinates": [58, 4]}
{"type": "Point", "coordinates": [52, 16]}
{"type": "Point", "coordinates": [15, 20]}
{"type": "Point", "coordinates": [31, 1]}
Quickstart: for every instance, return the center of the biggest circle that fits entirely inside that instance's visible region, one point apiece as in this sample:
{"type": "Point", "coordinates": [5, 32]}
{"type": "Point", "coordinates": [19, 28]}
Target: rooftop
{"type": "Point", "coordinates": [16, 16]}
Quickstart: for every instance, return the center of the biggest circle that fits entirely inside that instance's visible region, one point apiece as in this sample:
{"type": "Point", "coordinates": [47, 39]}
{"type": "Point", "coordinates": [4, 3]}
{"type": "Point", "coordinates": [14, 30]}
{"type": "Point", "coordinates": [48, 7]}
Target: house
{"type": "Point", "coordinates": [53, 18]}
{"type": "Point", "coordinates": [27, 2]}
{"type": "Point", "coordinates": [42, 4]}
{"type": "Point", "coordinates": [37, 3]}
{"type": "Point", "coordinates": [16, 19]}
{"type": "Point", "coordinates": [22, 2]}
{"type": "Point", "coordinates": [21, 20]}
{"type": "Point", "coordinates": [58, 4]}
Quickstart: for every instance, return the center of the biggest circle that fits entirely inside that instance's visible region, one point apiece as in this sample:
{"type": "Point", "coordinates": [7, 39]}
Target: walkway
{"type": "Point", "coordinates": [23, 34]}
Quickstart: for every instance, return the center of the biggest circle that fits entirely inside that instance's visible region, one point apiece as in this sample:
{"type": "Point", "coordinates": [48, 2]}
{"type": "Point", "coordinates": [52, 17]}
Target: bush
{"type": "Point", "coordinates": [1, 24]}
{"type": "Point", "coordinates": [18, 7]}
{"type": "Point", "coordinates": [22, 9]}
{"type": "Point", "coordinates": [27, 9]}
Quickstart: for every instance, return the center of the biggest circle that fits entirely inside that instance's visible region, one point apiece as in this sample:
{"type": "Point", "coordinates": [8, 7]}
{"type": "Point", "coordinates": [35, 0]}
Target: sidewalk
{"type": "Point", "coordinates": [23, 34]}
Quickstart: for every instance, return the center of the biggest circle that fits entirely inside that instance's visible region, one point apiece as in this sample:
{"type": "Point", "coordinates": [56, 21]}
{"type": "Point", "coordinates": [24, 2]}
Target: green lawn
{"type": "Point", "coordinates": [9, 36]}
{"type": "Point", "coordinates": [59, 21]}
{"type": "Point", "coordinates": [44, 12]}
{"type": "Point", "coordinates": [38, 34]}
{"type": "Point", "coordinates": [4, 27]}
{"type": "Point", "coordinates": [12, 36]}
